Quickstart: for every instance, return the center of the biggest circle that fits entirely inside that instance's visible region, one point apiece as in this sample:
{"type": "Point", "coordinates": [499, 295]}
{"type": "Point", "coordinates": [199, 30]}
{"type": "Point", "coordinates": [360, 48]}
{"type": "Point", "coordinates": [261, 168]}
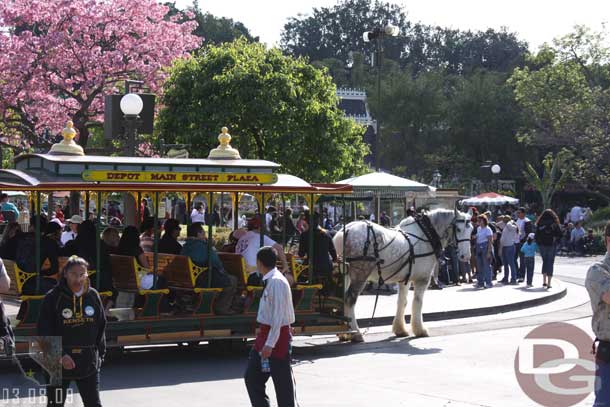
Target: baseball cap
{"type": "Point", "coordinates": [75, 219]}
{"type": "Point", "coordinates": [531, 236]}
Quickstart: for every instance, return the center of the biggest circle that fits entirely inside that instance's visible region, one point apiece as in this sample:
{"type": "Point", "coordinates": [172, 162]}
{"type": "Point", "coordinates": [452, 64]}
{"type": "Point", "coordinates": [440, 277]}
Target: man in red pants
{"type": "Point", "coordinates": [270, 355]}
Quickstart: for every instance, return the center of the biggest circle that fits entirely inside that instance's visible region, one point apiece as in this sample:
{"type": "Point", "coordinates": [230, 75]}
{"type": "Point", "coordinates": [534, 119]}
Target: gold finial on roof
{"type": "Point", "coordinates": [67, 146]}
{"type": "Point", "coordinates": [68, 132]}
{"type": "Point", "coordinates": [224, 150]}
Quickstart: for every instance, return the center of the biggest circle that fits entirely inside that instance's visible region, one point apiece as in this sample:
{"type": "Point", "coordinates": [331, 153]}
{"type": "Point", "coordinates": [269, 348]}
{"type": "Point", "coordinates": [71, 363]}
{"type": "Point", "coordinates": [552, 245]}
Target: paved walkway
{"type": "Point", "coordinates": [465, 298]}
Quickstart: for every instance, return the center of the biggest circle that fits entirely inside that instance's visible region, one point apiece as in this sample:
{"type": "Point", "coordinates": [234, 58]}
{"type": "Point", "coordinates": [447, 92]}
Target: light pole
{"type": "Point", "coordinates": [436, 179]}
{"type": "Point", "coordinates": [378, 34]}
{"type": "Point", "coordinates": [131, 106]}
{"type": "Point", "coordinates": [495, 170]}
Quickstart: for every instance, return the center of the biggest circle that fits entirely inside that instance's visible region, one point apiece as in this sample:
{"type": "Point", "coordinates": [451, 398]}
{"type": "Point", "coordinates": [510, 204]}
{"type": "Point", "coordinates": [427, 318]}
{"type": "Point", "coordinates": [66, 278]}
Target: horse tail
{"type": "Point", "coordinates": [338, 242]}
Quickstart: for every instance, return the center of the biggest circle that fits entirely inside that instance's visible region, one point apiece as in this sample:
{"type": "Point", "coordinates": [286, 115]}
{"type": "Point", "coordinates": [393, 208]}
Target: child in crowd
{"type": "Point", "coordinates": [529, 250]}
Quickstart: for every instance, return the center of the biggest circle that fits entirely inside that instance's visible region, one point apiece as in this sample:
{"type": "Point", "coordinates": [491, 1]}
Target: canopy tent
{"type": "Point", "coordinates": [490, 198]}
{"type": "Point", "coordinates": [386, 186]}
{"type": "Point", "coordinates": [378, 186]}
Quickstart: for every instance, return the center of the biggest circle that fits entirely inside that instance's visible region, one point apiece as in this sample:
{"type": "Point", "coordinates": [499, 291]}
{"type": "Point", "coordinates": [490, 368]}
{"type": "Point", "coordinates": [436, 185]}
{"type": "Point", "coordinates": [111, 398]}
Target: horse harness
{"type": "Point", "coordinates": [432, 237]}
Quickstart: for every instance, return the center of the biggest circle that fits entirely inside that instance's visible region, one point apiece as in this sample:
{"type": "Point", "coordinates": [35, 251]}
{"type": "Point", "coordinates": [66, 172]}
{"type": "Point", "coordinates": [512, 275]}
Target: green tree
{"type": "Point", "coordinates": [332, 32]}
{"type": "Point", "coordinates": [278, 108]}
{"type": "Point", "coordinates": [555, 173]}
{"type": "Point", "coordinates": [564, 94]}
{"type": "Point", "coordinates": [482, 121]}
{"type": "Point", "coordinates": [214, 30]}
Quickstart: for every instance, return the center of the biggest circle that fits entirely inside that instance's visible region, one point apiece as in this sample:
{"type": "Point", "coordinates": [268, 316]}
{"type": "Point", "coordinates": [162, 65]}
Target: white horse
{"type": "Point", "coordinates": [405, 254]}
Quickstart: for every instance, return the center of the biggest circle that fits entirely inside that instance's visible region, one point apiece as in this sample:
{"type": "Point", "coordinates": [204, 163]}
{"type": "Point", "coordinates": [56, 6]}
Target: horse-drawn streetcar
{"type": "Point", "coordinates": [94, 183]}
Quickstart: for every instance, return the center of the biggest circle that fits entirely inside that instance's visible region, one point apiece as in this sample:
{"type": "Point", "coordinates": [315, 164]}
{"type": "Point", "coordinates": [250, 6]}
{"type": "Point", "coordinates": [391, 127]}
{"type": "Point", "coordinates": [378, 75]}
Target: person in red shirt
{"type": "Point", "coordinates": [59, 214]}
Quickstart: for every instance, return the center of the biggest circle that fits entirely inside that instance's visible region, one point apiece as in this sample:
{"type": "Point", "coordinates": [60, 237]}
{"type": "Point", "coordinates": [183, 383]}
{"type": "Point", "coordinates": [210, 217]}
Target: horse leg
{"type": "Point", "coordinates": [354, 290]}
{"type": "Point", "coordinates": [398, 326]}
{"type": "Point", "coordinates": [417, 323]}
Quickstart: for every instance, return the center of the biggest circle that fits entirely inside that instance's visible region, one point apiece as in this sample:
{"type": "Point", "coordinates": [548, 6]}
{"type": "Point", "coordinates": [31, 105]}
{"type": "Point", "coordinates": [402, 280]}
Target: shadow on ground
{"type": "Point", "coordinates": [169, 366]}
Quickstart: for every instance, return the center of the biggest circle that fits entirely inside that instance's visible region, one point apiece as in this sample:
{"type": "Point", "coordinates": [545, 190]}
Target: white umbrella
{"type": "Point", "coordinates": [490, 198]}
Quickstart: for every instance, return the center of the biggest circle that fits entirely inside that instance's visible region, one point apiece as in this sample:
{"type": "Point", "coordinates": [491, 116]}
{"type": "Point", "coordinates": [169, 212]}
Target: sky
{"type": "Point", "coordinates": [536, 21]}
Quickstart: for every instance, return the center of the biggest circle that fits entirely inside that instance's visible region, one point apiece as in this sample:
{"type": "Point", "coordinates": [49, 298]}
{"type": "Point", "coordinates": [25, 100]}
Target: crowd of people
{"type": "Point", "coordinates": [507, 244]}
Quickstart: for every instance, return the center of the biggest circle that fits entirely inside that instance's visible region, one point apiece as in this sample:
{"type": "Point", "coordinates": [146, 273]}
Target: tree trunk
{"type": "Point", "coordinates": [80, 124]}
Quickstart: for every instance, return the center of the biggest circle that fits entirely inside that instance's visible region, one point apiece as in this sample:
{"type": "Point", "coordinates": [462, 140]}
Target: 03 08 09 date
{"type": "Point", "coordinates": [29, 397]}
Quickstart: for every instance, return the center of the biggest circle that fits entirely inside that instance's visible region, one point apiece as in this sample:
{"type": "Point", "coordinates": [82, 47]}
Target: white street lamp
{"type": "Point", "coordinates": [391, 30]}
{"type": "Point", "coordinates": [131, 104]}
{"type": "Point", "coordinates": [495, 169]}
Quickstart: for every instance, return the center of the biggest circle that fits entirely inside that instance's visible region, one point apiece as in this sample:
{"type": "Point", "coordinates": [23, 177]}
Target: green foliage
{"type": "Point", "coordinates": [444, 99]}
{"type": "Point", "coordinates": [276, 107]}
{"type": "Point", "coordinates": [599, 217]}
{"type": "Point", "coordinates": [564, 94]}
{"type": "Point", "coordinates": [334, 32]}
{"type": "Point", "coordinates": [214, 30]}
{"type": "Point", "coordinates": [8, 154]}
{"type": "Point", "coordinates": [555, 173]}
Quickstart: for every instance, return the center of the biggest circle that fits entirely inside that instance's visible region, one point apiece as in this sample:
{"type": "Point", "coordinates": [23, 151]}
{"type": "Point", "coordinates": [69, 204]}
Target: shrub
{"type": "Point", "coordinates": [599, 218]}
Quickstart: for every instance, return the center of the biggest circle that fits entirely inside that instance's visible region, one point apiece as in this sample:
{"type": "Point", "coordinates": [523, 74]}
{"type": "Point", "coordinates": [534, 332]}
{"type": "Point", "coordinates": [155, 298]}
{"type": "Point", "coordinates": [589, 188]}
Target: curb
{"type": "Point", "coordinates": [469, 313]}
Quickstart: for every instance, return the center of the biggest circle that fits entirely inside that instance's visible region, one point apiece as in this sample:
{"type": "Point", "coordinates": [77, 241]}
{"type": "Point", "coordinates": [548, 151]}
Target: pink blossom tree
{"type": "Point", "coordinates": [58, 58]}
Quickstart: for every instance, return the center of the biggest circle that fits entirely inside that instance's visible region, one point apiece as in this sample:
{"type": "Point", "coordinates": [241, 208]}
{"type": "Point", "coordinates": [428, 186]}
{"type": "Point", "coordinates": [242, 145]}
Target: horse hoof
{"type": "Point", "coordinates": [357, 338]}
{"type": "Point", "coordinates": [401, 334]}
{"type": "Point", "coordinates": [421, 333]}
{"type": "Point", "coordinates": [344, 337]}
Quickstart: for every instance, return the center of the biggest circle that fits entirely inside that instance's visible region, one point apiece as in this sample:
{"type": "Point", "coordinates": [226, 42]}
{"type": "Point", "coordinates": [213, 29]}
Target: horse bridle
{"type": "Point", "coordinates": [454, 223]}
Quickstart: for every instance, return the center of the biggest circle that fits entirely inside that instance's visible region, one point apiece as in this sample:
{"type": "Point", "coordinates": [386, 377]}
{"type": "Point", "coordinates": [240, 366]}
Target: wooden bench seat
{"type": "Point", "coordinates": [179, 272]}
{"type": "Point", "coordinates": [303, 295]}
{"type": "Point", "coordinates": [181, 275]}
{"type": "Point", "coordinates": [127, 275]}
{"type": "Point", "coordinates": [235, 265]}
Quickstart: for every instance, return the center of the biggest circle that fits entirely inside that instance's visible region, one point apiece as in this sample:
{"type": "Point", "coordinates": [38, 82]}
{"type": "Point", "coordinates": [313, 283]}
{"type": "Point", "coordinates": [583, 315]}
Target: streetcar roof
{"type": "Point", "coordinates": [46, 172]}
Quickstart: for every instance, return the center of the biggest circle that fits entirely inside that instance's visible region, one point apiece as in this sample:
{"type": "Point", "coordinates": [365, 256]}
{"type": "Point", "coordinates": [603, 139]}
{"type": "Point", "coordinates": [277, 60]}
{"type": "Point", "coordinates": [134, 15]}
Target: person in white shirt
{"type": "Point", "coordinates": [576, 214]}
{"type": "Point", "coordinates": [198, 214]}
{"type": "Point", "coordinates": [269, 217]}
{"type": "Point", "coordinates": [577, 238]}
{"type": "Point", "coordinates": [510, 233]}
{"type": "Point", "coordinates": [71, 234]}
{"type": "Point", "coordinates": [272, 344]}
{"type": "Point", "coordinates": [484, 249]}
{"type": "Point", "coordinates": [249, 243]}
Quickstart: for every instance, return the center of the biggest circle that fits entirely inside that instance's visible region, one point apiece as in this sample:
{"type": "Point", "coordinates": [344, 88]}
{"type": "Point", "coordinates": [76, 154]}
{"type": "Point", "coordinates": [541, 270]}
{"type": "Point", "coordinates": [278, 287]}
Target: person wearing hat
{"type": "Point", "coordinates": [71, 234]}
{"type": "Point", "coordinates": [529, 250]}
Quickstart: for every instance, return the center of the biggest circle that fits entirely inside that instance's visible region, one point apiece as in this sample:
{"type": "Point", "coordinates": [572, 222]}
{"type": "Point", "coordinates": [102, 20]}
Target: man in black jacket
{"type": "Point", "coordinates": [75, 312]}
{"type": "Point", "coordinates": [169, 242]}
{"type": "Point", "coordinates": [324, 252]}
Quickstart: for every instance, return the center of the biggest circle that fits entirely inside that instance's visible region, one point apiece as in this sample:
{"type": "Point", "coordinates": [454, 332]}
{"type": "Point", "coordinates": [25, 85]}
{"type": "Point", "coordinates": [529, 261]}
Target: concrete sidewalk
{"type": "Point", "coordinates": [463, 301]}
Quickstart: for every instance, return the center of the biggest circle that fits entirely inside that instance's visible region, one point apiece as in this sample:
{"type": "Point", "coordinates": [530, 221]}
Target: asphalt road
{"type": "Point", "coordinates": [464, 363]}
